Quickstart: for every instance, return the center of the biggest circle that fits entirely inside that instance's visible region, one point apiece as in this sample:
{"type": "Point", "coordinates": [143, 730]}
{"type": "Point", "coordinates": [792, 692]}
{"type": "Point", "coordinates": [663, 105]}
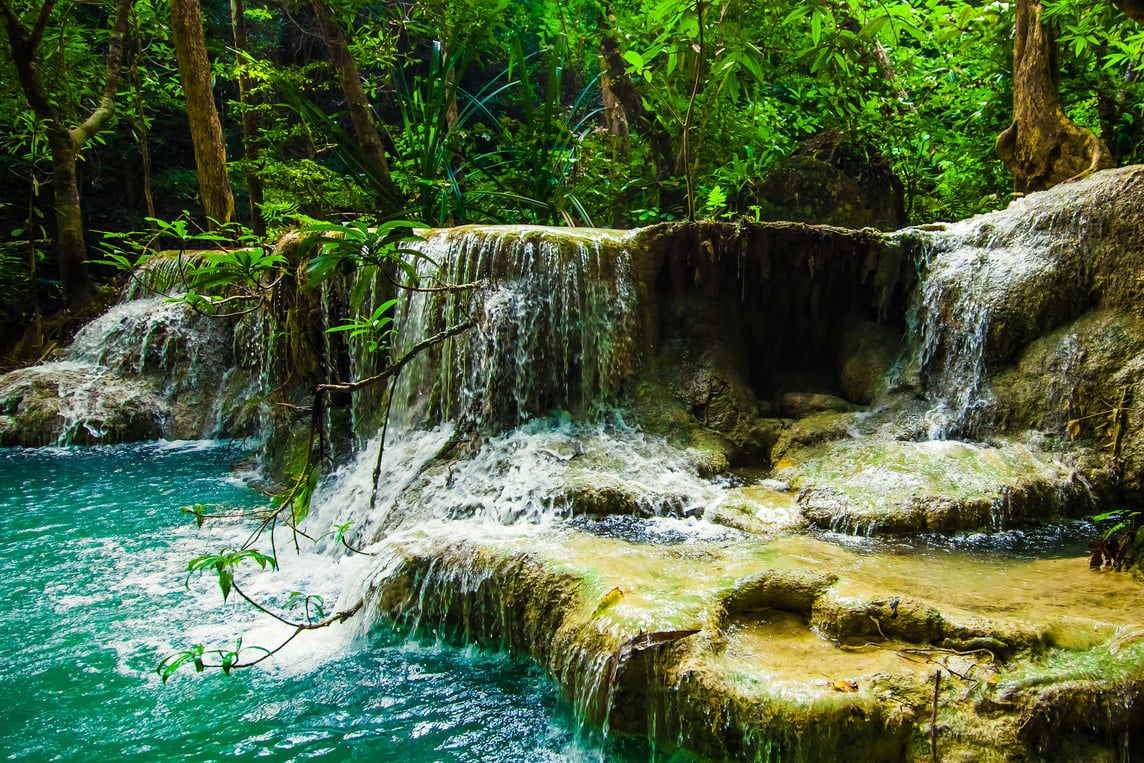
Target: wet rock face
{"type": "Point", "coordinates": [1029, 319]}
{"type": "Point", "coordinates": [145, 369]}
{"type": "Point", "coordinates": [753, 323]}
{"type": "Point", "coordinates": [76, 403]}
{"type": "Point", "coordinates": [1023, 332]}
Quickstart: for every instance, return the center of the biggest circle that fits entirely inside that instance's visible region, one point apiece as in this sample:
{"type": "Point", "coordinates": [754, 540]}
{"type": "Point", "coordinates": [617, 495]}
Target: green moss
{"type": "Point", "coordinates": [930, 486]}
{"type": "Point", "coordinates": [759, 681]}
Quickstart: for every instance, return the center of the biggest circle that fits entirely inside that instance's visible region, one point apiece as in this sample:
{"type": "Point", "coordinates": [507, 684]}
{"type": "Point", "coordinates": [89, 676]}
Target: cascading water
{"type": "Point", "coordinates": [148, 367]}
{"type": "Point", "coordinates": [155, 335]}
{"type": "Point", "coordinates": [508, 427]}
{"type": "Point", "coordinates": [124, 372]}
{"type": "Point", "coordinates": [990, 285]}
{"type": "Point", "coordinates": [514, 418]}
{"type": "Point", "coordinates": [520, 505]}
{"type": "Point", "coordinates": [954, 322]}
{"type": "Point", "coordinates": [555, 326]}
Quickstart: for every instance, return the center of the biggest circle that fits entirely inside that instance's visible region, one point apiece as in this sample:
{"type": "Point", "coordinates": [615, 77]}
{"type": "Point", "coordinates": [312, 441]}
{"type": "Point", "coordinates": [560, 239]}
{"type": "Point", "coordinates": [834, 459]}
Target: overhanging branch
{"type": "Point", "coordinates": [397, 365]}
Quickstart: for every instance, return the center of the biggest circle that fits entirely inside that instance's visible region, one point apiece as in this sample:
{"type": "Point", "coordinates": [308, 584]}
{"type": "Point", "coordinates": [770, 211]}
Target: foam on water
{"type": "Point", "coordinates": [105, 602]}
{"type": "Point", "coordinates": [543, 471]}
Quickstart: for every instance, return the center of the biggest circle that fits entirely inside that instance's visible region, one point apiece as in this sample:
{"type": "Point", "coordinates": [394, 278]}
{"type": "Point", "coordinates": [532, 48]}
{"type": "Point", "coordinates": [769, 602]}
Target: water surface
{"type": "Point", "coordinates": [92, 562]}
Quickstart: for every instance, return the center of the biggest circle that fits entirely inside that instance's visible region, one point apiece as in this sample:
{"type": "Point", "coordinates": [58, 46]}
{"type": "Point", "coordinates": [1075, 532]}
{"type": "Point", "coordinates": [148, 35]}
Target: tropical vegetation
{"type": "Point", "coordinates": [251, 118]}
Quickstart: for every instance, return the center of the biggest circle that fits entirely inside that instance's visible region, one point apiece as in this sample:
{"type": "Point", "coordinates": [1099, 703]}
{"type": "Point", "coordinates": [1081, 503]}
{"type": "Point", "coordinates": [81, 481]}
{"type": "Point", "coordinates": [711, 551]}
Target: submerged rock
{"type": "Point", "coordinates": [792, 650]}
{"type": "Point", "coordinates": [871, 486]}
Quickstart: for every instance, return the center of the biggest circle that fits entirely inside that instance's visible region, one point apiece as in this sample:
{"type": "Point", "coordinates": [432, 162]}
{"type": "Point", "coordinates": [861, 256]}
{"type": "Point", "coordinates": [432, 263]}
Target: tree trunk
{"type": "Point", "coordinates": [1043, 147]}
{"type": "Point", "coordinates": [141, 122]}
{"type": "Point", "coordinates": [70, 248]}
{"type": "Point", "coordinates": [349, 77]}
{"type": "Point", "coordinates": [1133, 9]}
{"type": "Point", "coordinates": [206, 132]}
{"type": "Point", "coordinates": [627, 95]}
{"type": "Point", "coordinates": [250, 139]}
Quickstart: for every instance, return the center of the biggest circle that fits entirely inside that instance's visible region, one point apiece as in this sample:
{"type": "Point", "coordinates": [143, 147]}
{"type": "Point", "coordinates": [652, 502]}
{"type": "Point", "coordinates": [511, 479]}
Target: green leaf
{"type": "Point", "coordinates": [225, 581]}
{"type": "Point", "coordinates": [197, 510]}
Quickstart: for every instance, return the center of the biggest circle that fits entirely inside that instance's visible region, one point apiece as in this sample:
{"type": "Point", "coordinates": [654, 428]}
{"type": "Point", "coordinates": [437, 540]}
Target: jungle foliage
{"type": "Point", "coordinates": [572, 113]}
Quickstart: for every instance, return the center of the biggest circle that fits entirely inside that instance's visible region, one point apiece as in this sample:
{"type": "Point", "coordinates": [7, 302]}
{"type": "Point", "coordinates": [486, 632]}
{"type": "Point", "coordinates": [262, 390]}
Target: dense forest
{"type": "Point", "coordinates": [128, 121]}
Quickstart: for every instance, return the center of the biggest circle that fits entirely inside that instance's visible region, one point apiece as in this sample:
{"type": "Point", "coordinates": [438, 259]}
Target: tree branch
{"type": "Point", "coordinates": [41, 23]}
{"type": "Point", "coordinates": [25, 58]}
{"type": "Point", "coordinates": [397, 365]}
{"type": "Point", "coordinates": [94, 123]}
{"type": "Point", "coordinates": [337, 617]}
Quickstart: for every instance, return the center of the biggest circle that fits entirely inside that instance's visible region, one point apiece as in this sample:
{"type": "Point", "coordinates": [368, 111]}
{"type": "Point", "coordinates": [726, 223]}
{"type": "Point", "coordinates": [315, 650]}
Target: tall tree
{"type": "Point", "coordinates": [64, 141]}
{"type": "Point", "coordinates": [250, 138]}
{"type": "Point", "coordinates": [1043, 147]}
{"type": "Point", "coordinates": [349, 77]}
{"type": "Point", "coordinates": [206, 131]}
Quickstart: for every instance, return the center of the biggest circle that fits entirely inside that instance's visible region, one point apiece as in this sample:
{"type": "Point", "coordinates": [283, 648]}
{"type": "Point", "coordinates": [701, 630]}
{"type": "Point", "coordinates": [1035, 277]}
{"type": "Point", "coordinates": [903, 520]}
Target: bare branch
{"type": "Point", "coordinates": [94, 123]}
{"type": "Point", "coordinates": [397, 365]}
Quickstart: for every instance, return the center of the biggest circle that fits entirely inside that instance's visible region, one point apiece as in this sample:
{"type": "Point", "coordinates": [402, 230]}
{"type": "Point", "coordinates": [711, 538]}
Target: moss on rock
{"type": "Point", "coordinates": [868, 486]}
{"type": "Point", "coordinates": [743, 652]}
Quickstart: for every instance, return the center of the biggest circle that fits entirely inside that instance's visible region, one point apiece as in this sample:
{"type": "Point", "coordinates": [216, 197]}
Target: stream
{"type": "Point", "coordinates": [93, 566]}
{"type": "Point", "coordinates": [744, 492]}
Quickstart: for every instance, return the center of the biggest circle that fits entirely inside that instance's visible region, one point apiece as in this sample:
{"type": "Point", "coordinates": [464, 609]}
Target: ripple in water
{"type": "Point", "coordinates": [93, 573]}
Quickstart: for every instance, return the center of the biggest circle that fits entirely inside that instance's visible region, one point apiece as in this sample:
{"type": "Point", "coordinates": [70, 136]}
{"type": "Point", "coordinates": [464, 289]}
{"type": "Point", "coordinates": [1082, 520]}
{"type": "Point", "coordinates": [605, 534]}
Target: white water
{"type": "Point", "coordinates": [976, 276]}
{"type": "Point", "coordinates": [533, 473]}
{"type": "Point", "coordinates": [556, 325]}
{"type": "Point", "coordinates": [128, 369]}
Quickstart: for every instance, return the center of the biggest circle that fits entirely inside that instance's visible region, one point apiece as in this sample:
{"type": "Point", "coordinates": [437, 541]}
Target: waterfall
{"type": "Point", "coordinates": [580, 460]}
{"type": "Point", "coordinates": [516, 418]}
{"type": "Point", "coordinates": [147, 368]}
{"type": "Point", "coordinates": [156, 336]}
{"type": "Point", "coordinates": [953, 318]}
{"type": "Point", "coordinates": [990, 285]}
{"type": "Point", "coordinates": [555, 326]}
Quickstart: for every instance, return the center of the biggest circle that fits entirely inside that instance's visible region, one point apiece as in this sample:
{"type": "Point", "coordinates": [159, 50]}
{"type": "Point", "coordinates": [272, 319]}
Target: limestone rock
{"type": "Point", "coordinates": [800, 405]}
{"type": "Point", "coordinates": [936, 486]}
{"type": "Point", "coordinates": [867, 353]}
{"type": "Point", "coordinates": [805, 189]}
{"type": "Point", "coordinates": [61, 403]}
{"type": "Point", "coordinates": [1029, 319]}
{"type": "Point", "coordinates": [794, 590]}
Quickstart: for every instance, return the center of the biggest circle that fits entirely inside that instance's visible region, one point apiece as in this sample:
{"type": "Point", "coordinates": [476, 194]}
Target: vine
{"type": "Point", "coordinates": [226, 282]}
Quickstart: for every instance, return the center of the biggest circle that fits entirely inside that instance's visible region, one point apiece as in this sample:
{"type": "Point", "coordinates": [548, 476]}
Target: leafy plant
{"type": "Point", "coordinates": [374, 330]}
{"type": "Point", "coordinates": [715, 205]}
{"type": "Point", "coordinates": [343, 247]}
{"type": "Point", "coordinates": [224, 564]}
{"type": "Point", "coordinates": [1116, 547]}
{"type": "Point", "coordinates": [312, 605]}
{"type": "Point", "coordinates": [196, 656]}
